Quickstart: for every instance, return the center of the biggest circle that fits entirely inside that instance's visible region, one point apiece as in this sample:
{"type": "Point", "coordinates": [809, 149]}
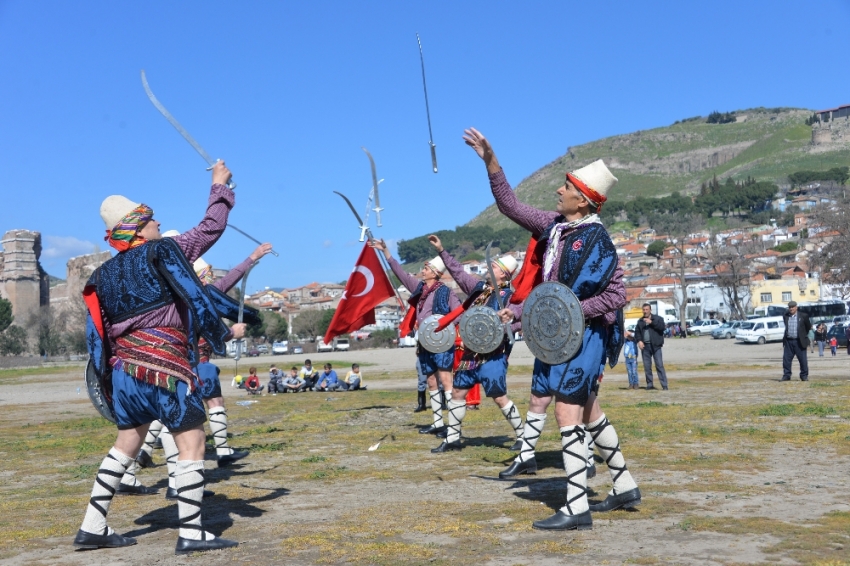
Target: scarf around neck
{"type": "Point", "coordinates": [555, 236]}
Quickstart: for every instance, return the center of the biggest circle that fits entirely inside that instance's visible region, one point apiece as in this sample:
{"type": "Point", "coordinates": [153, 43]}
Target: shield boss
{"type": "Point", "coordinates": [433, 341]}
{"type": "Point", "coordinates": [481, 330]}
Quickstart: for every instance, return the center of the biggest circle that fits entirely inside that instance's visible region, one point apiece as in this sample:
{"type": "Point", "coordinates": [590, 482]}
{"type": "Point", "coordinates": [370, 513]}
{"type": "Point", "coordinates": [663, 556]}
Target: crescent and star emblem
{"type": "Point", "coordinates": [370, 281]}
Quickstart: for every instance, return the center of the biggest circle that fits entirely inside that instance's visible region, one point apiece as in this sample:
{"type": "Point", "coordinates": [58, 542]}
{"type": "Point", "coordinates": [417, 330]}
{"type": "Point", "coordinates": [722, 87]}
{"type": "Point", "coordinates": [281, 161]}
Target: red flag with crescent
{"type": "Point", "coordinates": [367, 287]}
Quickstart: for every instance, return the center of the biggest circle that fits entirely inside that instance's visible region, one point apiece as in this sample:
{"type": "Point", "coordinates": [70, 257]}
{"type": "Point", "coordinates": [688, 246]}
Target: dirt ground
{"type": "Point", "coordinates": [734, 467]}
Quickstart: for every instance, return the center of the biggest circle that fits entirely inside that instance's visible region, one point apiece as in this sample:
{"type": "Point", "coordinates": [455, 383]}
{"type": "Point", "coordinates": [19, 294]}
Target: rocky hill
{"type": "Point", "coordinates": [766, 144]}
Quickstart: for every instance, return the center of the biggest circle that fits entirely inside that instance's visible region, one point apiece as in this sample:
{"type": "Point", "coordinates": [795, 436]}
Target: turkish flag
{"type": "Point", "coordinates": [367, 287]}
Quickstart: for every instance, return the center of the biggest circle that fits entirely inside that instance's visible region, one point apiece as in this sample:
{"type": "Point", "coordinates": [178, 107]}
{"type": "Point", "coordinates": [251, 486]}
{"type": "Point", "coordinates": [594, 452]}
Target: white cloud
{"type": "Point", "coordinates": [327, 244]}
{"type": "Point", "coordinates": [59, 247]}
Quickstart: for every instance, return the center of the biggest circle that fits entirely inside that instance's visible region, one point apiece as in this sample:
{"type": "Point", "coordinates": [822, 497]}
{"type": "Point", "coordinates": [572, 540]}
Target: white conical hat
{"type": "Point", "coordinates": [114, 208]}
{"type": "Point", "coordinates": [509, 264]}
{"type": "Point", "coordinates": [596, 177]}
{"type": "Point", "coordinates": [200, 265]}
{"type": "Point", "coordinates": [437, 265]}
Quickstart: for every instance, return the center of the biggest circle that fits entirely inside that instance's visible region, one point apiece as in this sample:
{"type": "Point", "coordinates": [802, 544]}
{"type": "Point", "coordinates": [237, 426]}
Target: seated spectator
{"type": "Point", "coordinates": [353, 379]}
{"type": "Point", "coordinates": [275, 380]}
{"type": "Point", "coordinates": [292, 384]}
{"type": "Point", "coordinates": [309, 374]}
{"type": "Point", "coordinates": [328, 380]}
{"type": "Point", "coordinates": [252, 382]}
{"type": "Point", "coordinates": [238, 381]}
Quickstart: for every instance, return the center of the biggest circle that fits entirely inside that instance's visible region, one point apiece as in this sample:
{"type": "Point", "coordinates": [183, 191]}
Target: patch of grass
{"type": "Point", "coordinates": [776, 411]}
{"type": "Point", "coordinates": [328, 473]}
{"type": "Point", "coordinates": [270, 447]}
{"type": "Point", "coordinates": [313, 459]}
{"type": "Point", "coordinates": [645, 404]}
{"type": "Point", "coordinates": [819, 410]}
{"type": "Point", "coordinates": [83, 471]}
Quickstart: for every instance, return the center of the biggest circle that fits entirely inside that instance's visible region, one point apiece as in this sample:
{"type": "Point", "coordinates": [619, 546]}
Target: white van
{"type": "Point", "coordinates": [761, 330]}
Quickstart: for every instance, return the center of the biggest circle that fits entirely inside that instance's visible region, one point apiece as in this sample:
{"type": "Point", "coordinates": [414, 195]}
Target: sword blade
{"type": "Point", "coordinates": [351, 206]}
{"type": "Point", "coordinates": [173, 121]}
{"type": "Point", "coordinates": [427, 108]}
{"type": "Point", "coordinates": [255, 240]}
{"type": "Point", "coordinates": [377, 208]}
{"type": "Point", "coordinates": [497, 290]}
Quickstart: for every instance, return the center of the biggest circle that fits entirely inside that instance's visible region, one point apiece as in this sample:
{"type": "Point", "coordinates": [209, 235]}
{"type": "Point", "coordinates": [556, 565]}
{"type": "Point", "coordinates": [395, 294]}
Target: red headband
{"type": "Point", "coordinates": [591, 195]}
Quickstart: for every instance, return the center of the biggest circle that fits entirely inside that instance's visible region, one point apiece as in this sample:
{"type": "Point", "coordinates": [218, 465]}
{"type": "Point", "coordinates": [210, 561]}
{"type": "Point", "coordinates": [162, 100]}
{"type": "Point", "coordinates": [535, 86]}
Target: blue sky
{"type": "Point", "coordinates": [288, 92]}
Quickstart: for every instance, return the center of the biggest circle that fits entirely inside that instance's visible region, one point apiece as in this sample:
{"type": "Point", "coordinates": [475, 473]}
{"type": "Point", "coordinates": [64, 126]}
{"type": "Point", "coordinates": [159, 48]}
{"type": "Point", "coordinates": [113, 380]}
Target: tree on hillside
{"type": "Point", "coordinates": [677, 227]}
{"type": "Point", "coordinates": [833, 258]}
{"type": "Point", "coordinates": [731, 267]}
{"type": "Point", "coordinates": [307, 324]}
{"type": "Point", "coordinates": [49, 327]}
{"type": "Point", "coordinates": [6, 318]}
{"type": "Point", "coordinates": [327, 317]}
{"type": "Point", "coordinates": [656, 248]}
{"type": "Point", "coordinates": [276, 328]}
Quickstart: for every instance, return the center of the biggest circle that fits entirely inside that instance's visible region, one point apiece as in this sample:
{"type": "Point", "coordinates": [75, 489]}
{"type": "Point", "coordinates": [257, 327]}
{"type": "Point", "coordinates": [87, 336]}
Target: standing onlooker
{"type": "Point", "coordinates": [796, 341]}
{"type": "Point", "coordinates": [630, 353]}
{"type": "Point", "coordinates": [847, 335]}
{"type": "Point", "coordinates": [820, 337]}
{"type": "Point", "coordinates": [650, 336]}
{"type": "Point", "coordinates": [812, 340]}
{"type": "Point", "coordinates": [833, 345]}
{"type": "Point", "coordinates": [421, 387]}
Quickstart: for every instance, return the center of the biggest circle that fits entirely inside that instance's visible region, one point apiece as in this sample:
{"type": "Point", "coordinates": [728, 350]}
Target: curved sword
{"type": "Point", "coordinates": [496, 289]}
{"type": "Point", "coordinates": [238, 354]}
{"type": "Point", "coordinates": [363, 228]}
{"type": "Point", "coordinates": [180, 129]}
{"type": "Point", "coordinates": [251, 238]}
{"type": "Point", "coordinates": [377, 208]}
{"type": "Point", "coordinates": [427, 110]}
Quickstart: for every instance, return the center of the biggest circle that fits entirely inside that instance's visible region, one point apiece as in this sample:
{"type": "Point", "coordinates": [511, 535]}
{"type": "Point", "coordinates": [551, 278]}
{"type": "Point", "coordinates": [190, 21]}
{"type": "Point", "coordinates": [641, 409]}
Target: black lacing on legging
{"type": "Point", "coordinates": [455, 429]}
{"type": "Point", "coordinates": [529, 442]}
{"type": "Point", "coordinates": [576, 436]}
{"type": "Point", "coordinates": [513, 413]}
{"type": "Point", "coordinates": [95, 500]}
{"type": "Point", "coordinates": [185, 521]}
{"type": "Point", "coordinates": [220, 433]}
{"type": "Point", "coordinates": [613, 450]}
{"type": "Point", "coordinates": [436, 414]}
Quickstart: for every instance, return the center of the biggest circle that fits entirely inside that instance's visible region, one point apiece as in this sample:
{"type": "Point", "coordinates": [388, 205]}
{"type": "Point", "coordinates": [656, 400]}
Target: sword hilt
{"type": "Point", "coordinates": [433, 156]}
{"type": "Point", "coordinates": [231, 184]}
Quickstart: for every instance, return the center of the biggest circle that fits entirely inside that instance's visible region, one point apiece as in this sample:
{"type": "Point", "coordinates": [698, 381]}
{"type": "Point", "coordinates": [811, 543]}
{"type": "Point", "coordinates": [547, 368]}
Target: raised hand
{"type": "Point", "coordinates": [380, 245]}
{"type": "Point", "coordinates": [435, 241]}
{"type": "Point", "coordinates": [476, 140]}
{"type": "Point", "coordinates": [261, 250]}
{"type": "Point", "coordinates": [221, 174]}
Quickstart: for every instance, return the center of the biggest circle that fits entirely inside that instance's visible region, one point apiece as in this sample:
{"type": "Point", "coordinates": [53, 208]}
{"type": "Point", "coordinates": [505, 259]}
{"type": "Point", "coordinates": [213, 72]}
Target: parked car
{"type": "Point", "coordinates": [761, 330]}
{"type": "Point", "coordinates": [252, 352]}
{"type": "Point", "coordinates": [703, 327]}
{"type": "Point", "coordinates": [837, 330]}
{"type": "Point", "coordinates": [263, 348]}
{"type": "Point", "coordinates": [321, 346]}
{"type": "Point", "coordinates": [341, 344]}
{"type": "Point", "coordinates": [280, 348]}
{"type": "Point", "coordinates": [407, 342]}
{"type": "Point", "coordinates": [297, 350]}
{"type": "Point", "coordinates": [727, 330]}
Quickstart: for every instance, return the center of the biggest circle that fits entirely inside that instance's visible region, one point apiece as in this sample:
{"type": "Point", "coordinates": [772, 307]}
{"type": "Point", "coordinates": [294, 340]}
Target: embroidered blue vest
{"type": "Point", "coordinates": [441, 298]}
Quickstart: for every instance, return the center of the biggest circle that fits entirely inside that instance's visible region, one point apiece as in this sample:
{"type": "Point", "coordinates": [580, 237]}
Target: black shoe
{"type": "Point", "coordinates": [420, 400]}
{"type": "Point", "coordinates": [563, 522]}
{"type": "Point", "coordinates": [144, 459]}
{"type": "Point", "coordinates": [171, 493]}
{"type": "Point", "coordinates": [665, 388]}
{"type": "Point", "coordinates": [625, 500]}
{"type": "Point", "coordinates": [442, 433]}
{"type": "Point", "coordinates": [447, 446]}
{"type": "Point", "coordinates": [517, 468]}
{"type": "Point", "coordinates": [431, 429]}
{"type": "Point", "coordinates": [124, 489]}
{"type": "Point", "coordinates": [517, 446]}
{"type": "Point", "coordinates": [186, 546]}
{"type": "Point", "coordinates": [651, 388]}
{"type": "Point", "coordinates": [157, 443]}
{"type": "Point", "coordinates": [87, 541]}
{"type": "Point", "coordinates": [419, 409]}
{"type": "Point", "coordinates": [228, 459]}
{"type": "Point", "coordinates": [591, 471]}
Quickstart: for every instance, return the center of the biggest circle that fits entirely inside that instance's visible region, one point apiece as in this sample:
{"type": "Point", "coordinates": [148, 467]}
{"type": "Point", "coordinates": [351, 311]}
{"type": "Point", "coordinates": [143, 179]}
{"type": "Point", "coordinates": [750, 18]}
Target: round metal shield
{"type": "Point", "coordinates": [552, 323]}
{"type": "Point", "coordinates": [433, 341]}
{"type": "Point", "coordinates": [481, 330]}
{"type": "Point", "coordinates": [97, 395]}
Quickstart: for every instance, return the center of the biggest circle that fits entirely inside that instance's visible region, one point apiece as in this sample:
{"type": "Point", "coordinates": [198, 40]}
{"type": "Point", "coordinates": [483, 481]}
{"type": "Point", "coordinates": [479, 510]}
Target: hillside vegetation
{"type": "Point", "coordinates": [762, 144]}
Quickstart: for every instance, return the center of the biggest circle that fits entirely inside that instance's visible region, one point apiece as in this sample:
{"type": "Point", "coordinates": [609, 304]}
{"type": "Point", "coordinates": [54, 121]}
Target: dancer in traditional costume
{"type": "Point", "coordinates": [209, 377]}
{"type": "Point", "coordinates": [489, 370]}
{"type": "Point", "coordinates": [428, 296]}
{"type": "Point", "coordinates": [570, 246]}
{"type": "Point", "coordinates": [146, 310]}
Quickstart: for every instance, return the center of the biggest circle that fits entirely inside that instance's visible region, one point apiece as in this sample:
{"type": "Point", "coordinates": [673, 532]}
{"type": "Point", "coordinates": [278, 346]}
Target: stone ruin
{"type": "Point", "coordinates": [22, 279]}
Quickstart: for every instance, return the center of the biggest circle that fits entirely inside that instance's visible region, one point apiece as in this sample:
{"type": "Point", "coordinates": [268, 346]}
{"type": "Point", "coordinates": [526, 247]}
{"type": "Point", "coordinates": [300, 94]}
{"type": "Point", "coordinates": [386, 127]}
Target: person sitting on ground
{"type": "Point", "coordinates": [292, 384]}
{"type": "Point", "coordinates": [328, 380]}
{"type": "Point", "coordinates": [309, 374]}
{"type": "Point", "coordinates": [238, 382]}
{"type": "Point", "coordinates": [275, 380]}
{"type": "Point", "coordinates": [252, 383]}
{"type": "Point", "coordinates": [353, 379]}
